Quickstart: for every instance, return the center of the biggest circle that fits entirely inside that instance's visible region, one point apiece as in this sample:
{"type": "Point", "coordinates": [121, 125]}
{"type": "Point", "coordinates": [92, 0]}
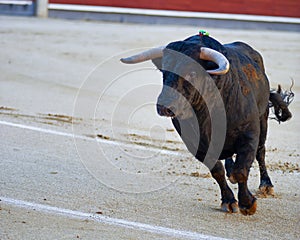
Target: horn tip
{"type": "Point", "coordinates": [123, 60]}
{"type": "Point", "coordinates": [126, 60]}
{"type": "Point", "coordinates": [130, 60]}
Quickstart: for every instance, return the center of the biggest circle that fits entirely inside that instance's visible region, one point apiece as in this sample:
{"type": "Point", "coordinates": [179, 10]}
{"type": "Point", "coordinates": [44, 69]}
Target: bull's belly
{"type": "Point", "coordinates": [229, 147]}
{"type": "Point", "coordinates": [226, 154]}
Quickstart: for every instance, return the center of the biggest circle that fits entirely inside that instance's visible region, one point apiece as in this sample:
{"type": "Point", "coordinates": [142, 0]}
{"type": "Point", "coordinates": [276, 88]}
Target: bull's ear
{"type": "Point", "coordinates": [157, 62]}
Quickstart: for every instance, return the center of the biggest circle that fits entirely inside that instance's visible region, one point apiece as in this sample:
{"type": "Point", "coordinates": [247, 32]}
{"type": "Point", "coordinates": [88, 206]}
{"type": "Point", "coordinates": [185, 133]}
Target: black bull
{"type": "Point", "coordinates": [240, 125]}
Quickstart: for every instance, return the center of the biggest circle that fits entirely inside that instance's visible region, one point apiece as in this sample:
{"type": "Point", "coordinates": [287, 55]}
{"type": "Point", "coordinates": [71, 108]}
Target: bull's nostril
{"type": "Point", "coordinates": [169, 112]}
{"type": "Point", "coordinates": [164, 111]}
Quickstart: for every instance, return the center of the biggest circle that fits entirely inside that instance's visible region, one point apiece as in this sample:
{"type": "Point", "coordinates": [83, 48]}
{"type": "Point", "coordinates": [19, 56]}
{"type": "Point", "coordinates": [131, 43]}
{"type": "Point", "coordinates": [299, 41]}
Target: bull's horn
{"type": "Point", "coordinates": [216, 57]}
{"type": "Point", "coordinates": [144, 56]}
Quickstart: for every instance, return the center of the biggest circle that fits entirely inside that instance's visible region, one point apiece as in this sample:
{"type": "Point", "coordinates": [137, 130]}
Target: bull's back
{"type": "Point", "coordinates": [250, 72]}
{"type": "Point", "coordinates": [248, 51]}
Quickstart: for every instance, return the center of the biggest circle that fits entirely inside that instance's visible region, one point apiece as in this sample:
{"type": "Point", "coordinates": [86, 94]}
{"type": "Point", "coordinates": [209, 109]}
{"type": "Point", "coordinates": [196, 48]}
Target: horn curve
{"type": "Point", "coordinates": [144, 56]}
{"type": "Point", "coordinates": [216, 57]}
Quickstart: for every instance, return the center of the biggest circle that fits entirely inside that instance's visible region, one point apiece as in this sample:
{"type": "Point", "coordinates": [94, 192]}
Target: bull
{"type": "Point", "coordinates": [238, 72]}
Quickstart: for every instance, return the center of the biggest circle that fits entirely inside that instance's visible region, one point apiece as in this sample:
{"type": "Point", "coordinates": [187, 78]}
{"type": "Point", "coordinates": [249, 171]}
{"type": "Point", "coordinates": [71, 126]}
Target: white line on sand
{"type": "Point", "coordinates": [106, 220]}
{"type": "Point", "coordinates": [100, 140]}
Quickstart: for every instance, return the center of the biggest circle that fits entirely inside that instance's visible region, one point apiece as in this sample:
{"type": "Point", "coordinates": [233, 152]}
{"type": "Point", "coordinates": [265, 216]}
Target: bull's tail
{"type": "Point", "coordinates": [280, 100]}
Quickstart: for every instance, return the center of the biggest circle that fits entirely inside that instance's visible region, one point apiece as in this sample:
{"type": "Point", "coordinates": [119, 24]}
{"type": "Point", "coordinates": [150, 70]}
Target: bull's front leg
{"type": "Point", "coordinates": [240, 172]}
{"type": "Point", "coordinates": [229, 203]}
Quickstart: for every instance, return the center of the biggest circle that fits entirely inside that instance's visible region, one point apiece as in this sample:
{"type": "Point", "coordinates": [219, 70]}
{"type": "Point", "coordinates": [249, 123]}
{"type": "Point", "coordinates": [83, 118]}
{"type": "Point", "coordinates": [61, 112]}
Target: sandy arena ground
{"type": "Point", "coordinates": [79, 132]}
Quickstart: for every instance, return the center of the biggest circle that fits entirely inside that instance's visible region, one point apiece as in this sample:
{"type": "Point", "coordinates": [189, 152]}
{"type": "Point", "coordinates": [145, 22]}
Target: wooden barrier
{"type": "Point", "coordinates": [286, 8]}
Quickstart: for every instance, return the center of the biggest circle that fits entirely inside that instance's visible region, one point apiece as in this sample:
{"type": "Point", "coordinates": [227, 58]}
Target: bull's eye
{"type": "Point", "coordinates": [191, 76]}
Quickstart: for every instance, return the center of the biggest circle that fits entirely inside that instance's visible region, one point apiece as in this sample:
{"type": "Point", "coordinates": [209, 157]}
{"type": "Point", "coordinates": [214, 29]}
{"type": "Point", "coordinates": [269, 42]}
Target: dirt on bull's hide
{"type": "Point", "coordinates": [251, 74]}
{"type": "Point", "coordinates": [245, 89]}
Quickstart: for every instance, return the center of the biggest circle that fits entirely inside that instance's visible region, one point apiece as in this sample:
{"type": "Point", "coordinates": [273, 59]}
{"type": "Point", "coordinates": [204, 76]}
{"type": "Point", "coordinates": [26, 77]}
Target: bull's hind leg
{"type": "Point", "coordinates": [229, 203]}
{"type": "Point", "coordinates": [266, 186]}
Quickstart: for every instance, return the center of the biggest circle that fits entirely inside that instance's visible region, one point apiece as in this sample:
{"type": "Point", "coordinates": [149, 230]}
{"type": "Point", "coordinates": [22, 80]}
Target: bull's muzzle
{"type": "Point", "coordinates": [167, 102]}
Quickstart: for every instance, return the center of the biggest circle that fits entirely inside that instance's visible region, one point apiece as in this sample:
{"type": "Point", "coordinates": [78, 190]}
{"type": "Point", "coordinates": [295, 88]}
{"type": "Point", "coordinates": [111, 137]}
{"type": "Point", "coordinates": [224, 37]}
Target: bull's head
{"type": "Point", "coordinates": [179, 63]}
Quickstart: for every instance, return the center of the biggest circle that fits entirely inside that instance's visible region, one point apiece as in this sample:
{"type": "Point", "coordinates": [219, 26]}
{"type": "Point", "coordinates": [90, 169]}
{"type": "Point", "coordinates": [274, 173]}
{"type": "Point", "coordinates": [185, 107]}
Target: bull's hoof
{"type": "Point", "coordinates": [230, 207]}
{"type": "Point", "coordinates": [249, 211]}
{"type": "Point", "coordinates": [265, 190]}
